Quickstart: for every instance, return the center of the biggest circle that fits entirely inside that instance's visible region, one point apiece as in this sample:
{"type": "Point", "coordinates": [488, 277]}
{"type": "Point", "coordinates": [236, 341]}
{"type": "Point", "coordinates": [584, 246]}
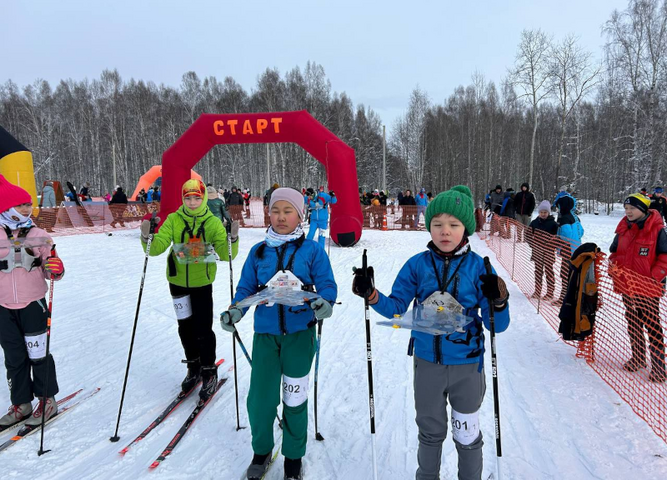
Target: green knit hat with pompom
{"type": "Point", "coordinates": [456, 202]}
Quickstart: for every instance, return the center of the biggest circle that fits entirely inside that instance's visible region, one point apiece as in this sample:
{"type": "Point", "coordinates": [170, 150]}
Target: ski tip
{"type": "Point", "coordinates": [154, 465]}
{"type": "Point", "coordinates": [123, 451]}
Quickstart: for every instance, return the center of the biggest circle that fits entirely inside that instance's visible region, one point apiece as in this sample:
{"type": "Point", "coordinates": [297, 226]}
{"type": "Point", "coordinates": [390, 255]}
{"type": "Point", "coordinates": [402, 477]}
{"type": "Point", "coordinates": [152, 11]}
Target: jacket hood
{"type": "Point", "coordinates": [199, 211]}
{"type": "Point", "coordinates": [652, 217]}
{"type": "Point", "coordinates": [525, 184]}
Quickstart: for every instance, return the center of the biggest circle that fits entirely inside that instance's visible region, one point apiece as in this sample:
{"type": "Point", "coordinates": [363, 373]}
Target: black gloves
{"type": "Point", "coordinates": [363, 284]}
{"type": "Point", "coordinates": [494, 288]}
{"type": "Point", "coordinates": [332, 193]}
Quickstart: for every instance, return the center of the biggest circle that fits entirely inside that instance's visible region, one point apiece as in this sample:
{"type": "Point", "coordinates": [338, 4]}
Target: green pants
{"type": "Point", "coordinates": [272, 357]}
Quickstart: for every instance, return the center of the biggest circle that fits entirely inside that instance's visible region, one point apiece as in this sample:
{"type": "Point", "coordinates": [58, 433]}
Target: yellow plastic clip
{"type": "Point", "coordinates": [396, 326]}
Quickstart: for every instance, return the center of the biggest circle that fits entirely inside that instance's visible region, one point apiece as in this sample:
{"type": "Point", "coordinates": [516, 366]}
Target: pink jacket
{"type": "Point", "coordinates": [20, 287]}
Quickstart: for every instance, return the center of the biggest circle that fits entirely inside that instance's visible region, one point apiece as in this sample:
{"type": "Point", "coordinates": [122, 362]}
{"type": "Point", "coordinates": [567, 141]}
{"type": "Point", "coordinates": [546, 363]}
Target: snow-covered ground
{"type": "Point", "coordinates": [559, 419]}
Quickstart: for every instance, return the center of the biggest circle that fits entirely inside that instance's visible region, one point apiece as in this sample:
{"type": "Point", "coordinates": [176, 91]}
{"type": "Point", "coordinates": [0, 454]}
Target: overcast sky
{"type": "Point", "coordinates": [376, 51]}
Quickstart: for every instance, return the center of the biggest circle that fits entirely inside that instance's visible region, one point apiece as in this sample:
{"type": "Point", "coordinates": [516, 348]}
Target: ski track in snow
{"type": "Point", "coordinates": [559, 419]}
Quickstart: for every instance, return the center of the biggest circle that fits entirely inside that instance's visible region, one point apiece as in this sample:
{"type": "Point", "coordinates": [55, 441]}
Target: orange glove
{"type": "Point", "coordinates": [54, 266]}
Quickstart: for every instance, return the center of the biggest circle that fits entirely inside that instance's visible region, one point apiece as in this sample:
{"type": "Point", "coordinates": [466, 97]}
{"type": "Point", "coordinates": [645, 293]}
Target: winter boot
{"type": "Point", "coordinates": [209, 380]}
{"type": "Point", "coordinates": [15, 414]}
{"type": "Point", "coordinates": [193, 376]}
{"type": "Point", "coordinates": [657, 375]}
{"type": "Point", "coordinates": [258, 466]}
{"type": "Point", "coordinates": [35, 419]}
{"type": "Point", "coordinates": [293, 469]}
{"type": "Point", "coordinates": [634, 364]}
{"type": "Point", "coordinates": [658, 372]}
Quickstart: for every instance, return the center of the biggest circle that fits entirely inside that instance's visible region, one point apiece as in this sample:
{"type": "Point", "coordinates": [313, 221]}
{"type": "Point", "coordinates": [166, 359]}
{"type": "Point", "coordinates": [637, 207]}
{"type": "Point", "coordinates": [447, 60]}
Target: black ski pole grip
{"type": "Point", "coordinates": [364, 263]}
{"type": "Point", "coordinates": [153, 215]}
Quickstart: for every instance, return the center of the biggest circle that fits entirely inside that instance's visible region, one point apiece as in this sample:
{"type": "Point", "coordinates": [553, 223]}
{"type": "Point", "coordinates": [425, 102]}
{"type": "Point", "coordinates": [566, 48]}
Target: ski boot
{"type": "Point", "coordinates": [258, 466]}
{"type": "Point", "coordinates": [634, 364]}
{"type": "Point", "coordinates": [15, 414]}
{"type": "Point", "coordinates": [209, 380]}
{"type": "Point", "coordinates": [193, 376]}
{"type": "Point", "coordinates": [293, 469]}
{"type": "Point", "coordinates": [51, 409]}
{"type": "Point", "coordinates": [657, 375]}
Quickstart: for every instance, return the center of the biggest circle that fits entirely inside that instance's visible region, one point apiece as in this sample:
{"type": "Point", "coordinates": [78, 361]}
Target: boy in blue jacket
{"type": "Point", "coordinates": [284, 340]}
{"type": "Point", "coordinates": [570, 230]}
{"type": "Point", "coordinates": [446, 367]}
{"type": "Point", "coordinates": [319, 213]}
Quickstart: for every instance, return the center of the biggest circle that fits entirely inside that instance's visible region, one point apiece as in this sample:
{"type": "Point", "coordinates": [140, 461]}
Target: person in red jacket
{"type": "Point", "coordinates": [640, 246]}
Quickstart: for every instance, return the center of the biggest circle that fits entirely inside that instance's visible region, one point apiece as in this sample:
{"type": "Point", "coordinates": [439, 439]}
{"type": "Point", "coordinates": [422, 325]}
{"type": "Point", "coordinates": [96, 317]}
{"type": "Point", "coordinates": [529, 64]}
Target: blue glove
{"type": "Point", "coordinates": [322, 308]}
{"type": "Point", "coordinates": [229, 318]}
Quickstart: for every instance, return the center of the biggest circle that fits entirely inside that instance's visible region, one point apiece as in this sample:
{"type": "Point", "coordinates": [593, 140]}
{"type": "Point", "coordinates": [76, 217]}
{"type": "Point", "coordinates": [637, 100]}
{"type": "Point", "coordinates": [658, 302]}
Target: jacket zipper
{"type": "Point", "coordinates": [437, 340]}
{"type": "Point", "coordinates": [281, 319]}
{"type": "Point", "coordinates": [16, 293]}
{"type": "Point", "coordinates": [437, 346]}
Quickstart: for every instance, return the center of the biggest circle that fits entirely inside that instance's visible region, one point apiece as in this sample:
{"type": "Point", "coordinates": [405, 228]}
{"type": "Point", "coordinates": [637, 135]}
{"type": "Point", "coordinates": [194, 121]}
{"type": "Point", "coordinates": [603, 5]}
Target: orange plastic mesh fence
{"type": "Point", "coordinates": [99, 217]}
{"type": "Point", "coordinates": [627, 347]}
{"type": "Point", "coordinates": [93, 217]}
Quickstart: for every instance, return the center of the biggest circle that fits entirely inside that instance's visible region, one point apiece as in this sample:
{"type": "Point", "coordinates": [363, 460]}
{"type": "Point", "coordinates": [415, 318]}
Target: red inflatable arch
{"type": "Point", "coordinates": [277, 127]}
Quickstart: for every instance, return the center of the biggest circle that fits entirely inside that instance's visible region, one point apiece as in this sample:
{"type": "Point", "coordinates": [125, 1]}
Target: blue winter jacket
{"type": "Point", "coordinates": [149, 195]}
{"type": "Point", "coordinates": [569, 226]}
{"type": "Point", "coordinates": [318, 209]}
{"type": "Point", "coordinates": [417, 280]}
{"type": "Point", "coordinates": [421, 199]}
{"type": "Point", "coordinates": [311, 265]}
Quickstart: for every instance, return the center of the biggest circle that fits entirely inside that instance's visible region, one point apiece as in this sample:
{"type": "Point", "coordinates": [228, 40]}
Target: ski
{"type": "Point", "coordinates": [165, 413]}
{"type": "Point", "coordinates": [29, 430]}
{"type": "Point", "coordinates": [184, 428]}
{"type": "Point", "coordinates": [59, 403]}
{"type": "Point", "coordinates": [278, 442]}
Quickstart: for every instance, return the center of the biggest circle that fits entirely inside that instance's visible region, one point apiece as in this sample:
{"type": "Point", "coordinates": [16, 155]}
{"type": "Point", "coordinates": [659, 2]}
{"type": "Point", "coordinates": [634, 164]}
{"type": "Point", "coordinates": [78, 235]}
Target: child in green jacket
{"type": "Point", "coordinates": [191, 284]}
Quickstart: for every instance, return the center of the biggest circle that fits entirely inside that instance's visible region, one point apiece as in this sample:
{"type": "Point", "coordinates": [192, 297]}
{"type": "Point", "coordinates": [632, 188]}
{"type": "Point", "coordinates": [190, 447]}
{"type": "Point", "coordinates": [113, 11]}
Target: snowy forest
{"type": "Point", "coordinates": [562, 116]}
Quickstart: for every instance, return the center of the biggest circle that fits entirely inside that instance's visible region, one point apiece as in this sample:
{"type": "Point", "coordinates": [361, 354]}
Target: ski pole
{"type": "Point", "coordinates": [329, 242]}
{"type": "Point", "coordinates": [494, 371]}
{"type": "Point", "coordinates": [369, 358]}
{"type": "Point", "coordinates": [318, 435]}
{"type": "Point", "coordinates": [231, 300]}
{"type": "Point", "coordinates": [247, 356]}
{"type": "Point", "coordinates": [48, 346]}
{"type": "Point", "coordinates": [115, 437]}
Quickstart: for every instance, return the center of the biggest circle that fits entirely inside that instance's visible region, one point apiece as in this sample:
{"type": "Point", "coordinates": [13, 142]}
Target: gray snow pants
{"type": "Point", "coordinates": [18, 328]}
{"type": "Point", "coordinates": [434, 384]}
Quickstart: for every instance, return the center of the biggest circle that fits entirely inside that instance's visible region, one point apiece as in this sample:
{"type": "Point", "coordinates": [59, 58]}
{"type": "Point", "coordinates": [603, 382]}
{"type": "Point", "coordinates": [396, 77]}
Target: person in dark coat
{"type": "Point", "coordinates": [659, 202]}
{"type": "Point", "coordinates": [541, 237]}
{"type": "Point", "coordinates": [497, 199]}
{"type": "Point", "coordinates": [507, 211]}
{"type": "Point", "coordinates": [235, 206]}
{"type": "Point", "coordinates": [119, 198]}
{"type": "Point", "coordinates": [524, 204]}
{"type": "Point", "coordinates": [409, 209]}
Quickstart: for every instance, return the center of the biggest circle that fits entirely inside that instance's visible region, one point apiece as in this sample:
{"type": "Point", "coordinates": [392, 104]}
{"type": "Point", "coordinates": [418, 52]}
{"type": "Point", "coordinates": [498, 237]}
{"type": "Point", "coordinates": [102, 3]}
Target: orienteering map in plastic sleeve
{"type": "Point", "coordinates": [194, 252]}
{"type": "Point", "coordinates": [432, 319]}
{"type": "Point", "coordinates": [284, 289]}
